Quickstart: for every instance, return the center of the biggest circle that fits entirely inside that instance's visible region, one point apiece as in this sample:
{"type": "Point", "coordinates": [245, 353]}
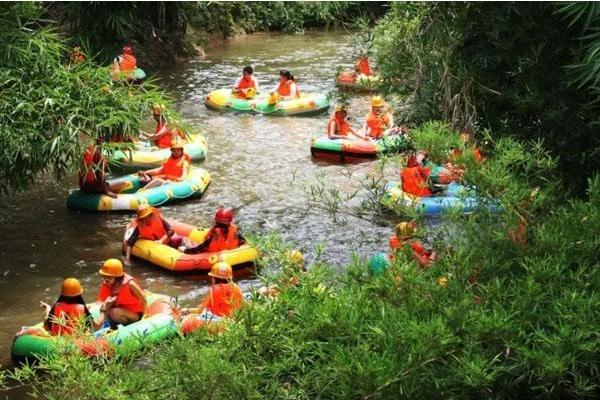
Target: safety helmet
{"type": "Point", "coordinates": [143, 210]}
{"type": "Point", "coordinates": [127, 50]}
{"type": "Point", "coordinates": [112, 268]}
{"type": "Point", "coordinates": [340, 107]}
{"type": "Point", "coordinates": [158, 109]}
{"type": "Point", "coordinates": [221, 270]}
{"type": "Point", "coordinates": [405, 229]}
{"type": "Point", "coordinates": [294, 257]}
{"type": "Point", "coordinates": [71, 287]}
{"type": "Point", "coordinates": [177, 143]}
{"type": "Point", "coordinates": [377, 101]}
{"type": "Point", "coordinates": [224, 216]}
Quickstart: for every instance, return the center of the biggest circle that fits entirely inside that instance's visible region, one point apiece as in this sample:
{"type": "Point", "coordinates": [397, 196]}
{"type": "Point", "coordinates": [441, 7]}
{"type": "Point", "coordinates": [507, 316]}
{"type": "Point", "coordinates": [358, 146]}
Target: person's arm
{"type": "Point", "coordinates": [138, 292]}
{"type": "Point", "coordinates": [331, 131]}
{"type": "Point", "coordinates": [236, 84]}
{"type": "Point", "coordinates": [256, 87]}
{"type": "Point", "coordinates": [366, 130]}
{"type": "Point", "coordinates": [135, 235]}
{"type": "Point", "coordinates": [293, 90]}
{"type": "Point", "coordinates": [358, 135]}
{"type": "Point", "coordinates": [200, 247]}
{"type": "Point", "coordinates": [162, 131]}
{"type": "Point", "coordinates": [169, 232]}
{"type": "Point", "coordinates": [241, 239]}
{"type": "Point", "coordinates": [390, 120]}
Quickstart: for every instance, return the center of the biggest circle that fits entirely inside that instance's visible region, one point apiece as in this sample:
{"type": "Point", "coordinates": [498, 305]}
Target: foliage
{"type": "Point", "coordinates": [47, 105]}
{"type": "Point", "coordinates": [501, 66]}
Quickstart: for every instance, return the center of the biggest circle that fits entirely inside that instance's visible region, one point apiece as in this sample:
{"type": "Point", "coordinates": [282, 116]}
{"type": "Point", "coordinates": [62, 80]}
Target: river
{"type": "Point", "coordinates": [259, 166]}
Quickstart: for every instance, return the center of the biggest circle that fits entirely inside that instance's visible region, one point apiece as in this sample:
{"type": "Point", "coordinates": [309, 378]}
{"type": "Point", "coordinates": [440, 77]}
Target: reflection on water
{"type": "Point", "coordinates": [259, 165]}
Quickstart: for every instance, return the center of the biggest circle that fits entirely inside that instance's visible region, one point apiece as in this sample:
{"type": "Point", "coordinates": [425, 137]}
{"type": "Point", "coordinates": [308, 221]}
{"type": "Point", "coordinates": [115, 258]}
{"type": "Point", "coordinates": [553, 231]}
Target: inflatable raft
{"type": "Point", "coordinates": [137, 75]}
{"type": "Point", "coordinates": [131, 195]}
{"type": "Point", "coordinates": [353, 81]}
{"type": "Point", "coordinates": [147, 156]}
{"type": "Point", "coordinates": [176, 261]}
{"type": "Point", "coordinates": [357, 148]}
{"type": "Point", "coordinates": [308, 103]}
{"type": "Point", "coordinates": [158, 323]}
{"type": "Point", "coordinates": [455, 197]}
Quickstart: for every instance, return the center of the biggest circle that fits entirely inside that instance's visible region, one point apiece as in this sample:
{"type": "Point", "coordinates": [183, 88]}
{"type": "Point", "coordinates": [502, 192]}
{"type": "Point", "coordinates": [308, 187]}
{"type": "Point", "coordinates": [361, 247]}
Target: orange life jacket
{"type": "Point", "coordinates": [152, 228]}
{"type": "Point", "coordinates": [65, 318]}
{"type": "Point", "coordinates": [164, 142]}
{"type": "Point", "coordinates": [342, 126]}
{"type": "Point", "coordinates": [414, 181]}
{"type": "Point", "coordinates": [246, 84]}
{"type": "Point", "coordinates": [376, 124]}
{"type": "Point", "coordinates": [285, 88]}
{"type": "Point", "coordinates": [419, 252]}
{"type": "Point", "coordinates": [91, 158]}
{"type": "Point", "coordinates": [223, 299]}
{"type": "Point", "coordinates": [363, 66]}
{"type": "Point", "coordinates": [125, 297]}
{"type": "Point", "coordinates": [175, 166]}
{"type": "Point", "coordinates": [220, 242]}
{"type": "Point", "coordinates": [127, 63]}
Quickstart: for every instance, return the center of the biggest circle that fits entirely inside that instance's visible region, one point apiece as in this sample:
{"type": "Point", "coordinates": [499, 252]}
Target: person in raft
{"type": "Point", "coordinates": [245, 82]}
{"type": "Point", "coordinates": [404, 233]}
{"type": "Point", "coordinates": [126, 62]}
{"type": "Point", "coordinates": [123, 300]}
{"type": "Point", "coordinates": [378, 120]}
{"type": "Point", "coordinates": [224, 296]}
{"type": "Point", "coordinates": [223, 235]}
{"type": "Point", "coordinates": [176, 168]}
{"type": "Point", "coordinates": [287, 88]}
{"type": "Point", "coordinates": [338, 126]}
{"type": "Point", "coordinates": [150, 225]}
{"type": "Point", "coordinates": [92, 173]}
{"type": "Point", "coordinates": [69, 312]}
{"type": "Point", "coordinates": [415, 178]}
{"type": "Point", "coordinates": [363, 66]}
{"type": "Point", "coordinates": [163, 135]}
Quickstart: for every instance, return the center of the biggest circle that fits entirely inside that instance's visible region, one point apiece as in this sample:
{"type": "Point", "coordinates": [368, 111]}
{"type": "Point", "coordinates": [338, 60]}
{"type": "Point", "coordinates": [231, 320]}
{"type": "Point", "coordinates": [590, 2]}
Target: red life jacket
{"type": "Point", "coordinates": [363, 66]}
{"type": "Point", "coordinates": [65, 318]}
{"type": "Point", "coordinates": [127, 63]}
{"type": "Point", "coordinates": [220, 242]}
{"type": "Point", "coordinates": [342, 126]}
{"type": "Point", "coordinates": [125, 297]}
{"type": "Point", "coordinates": [223, 299]}
{"type": "Point", "coordinates": [152, 228]}
{"type": "Point", "coordinates": [246, 84]}
{"type": "Point", "coordinates": [92, 157]}
{"type": "Point", "coordinates": [414, 181]}
{"type": "Point", "coordinates": [376, 124]}
{"type": "Point", "coordinates": [175, 166]}
{"type": "Point", "coordinates": [285, 88]}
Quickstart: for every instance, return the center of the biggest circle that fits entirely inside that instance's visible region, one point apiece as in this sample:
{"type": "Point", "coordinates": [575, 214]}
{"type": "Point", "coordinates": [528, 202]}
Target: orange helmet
{"type": "Point", "coordinates": [405, 230]}
{"type": "Point", "coordinates": [112, 268]}
{"type": "Point", "coordinates": [144, 210]}
{"type": "Point", "coordinates": [221, 270]}
{"type": "Point", "coordinates": [127, 50]}
{"type": "Point", "coordinates": [71, 287]}
{"type": "Point", "coordinates": [224, 216]}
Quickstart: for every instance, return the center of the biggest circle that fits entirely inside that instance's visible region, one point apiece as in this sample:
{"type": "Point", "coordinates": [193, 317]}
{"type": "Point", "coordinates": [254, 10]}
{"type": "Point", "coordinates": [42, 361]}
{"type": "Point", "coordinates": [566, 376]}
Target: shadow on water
{"type": "Point", "coordinates": [259, 165]}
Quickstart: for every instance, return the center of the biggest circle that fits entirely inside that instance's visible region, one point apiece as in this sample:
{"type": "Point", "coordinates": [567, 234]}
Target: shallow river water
{"type": "Point", "coordinates": [259, 166]}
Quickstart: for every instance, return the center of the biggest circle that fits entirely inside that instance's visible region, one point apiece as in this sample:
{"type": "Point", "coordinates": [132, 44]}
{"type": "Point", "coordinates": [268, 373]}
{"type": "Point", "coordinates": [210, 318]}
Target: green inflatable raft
{"type": "Point", "coordinates": [347, 148]}
{"type": "Point", "coordinates": [157, 324]}
{"type": "Point", "coordinates": [131, 195]}
{"type": "Point", "coordinates": [307, 103]}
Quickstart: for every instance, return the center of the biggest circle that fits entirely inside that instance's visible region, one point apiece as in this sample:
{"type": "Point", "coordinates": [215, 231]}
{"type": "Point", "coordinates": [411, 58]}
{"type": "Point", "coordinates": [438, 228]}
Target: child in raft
{"type": "Point", "coordinates": [69, 312]}
{"type": "Point", "coordinates": [293, 269]}
{"type": "Point", "coordinates": [379, 120]}
{"type": "Point", "coordinates": [163, 135]}
{"type": "Point", "coordinates": [338, 126]}
{"type": "Point", "coordinates": [404, 233]}
{"type": "Point", "coordinates": [416, 178]}
{"type": "Point", "coordinates": [223, 235]}
{"type": "Point", "coordinates": [176, 168]}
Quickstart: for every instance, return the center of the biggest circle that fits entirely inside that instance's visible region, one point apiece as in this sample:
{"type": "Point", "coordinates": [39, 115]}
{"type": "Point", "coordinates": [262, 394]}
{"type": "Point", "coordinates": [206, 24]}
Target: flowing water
{"type": "Point", "coordinates": [259, 166]}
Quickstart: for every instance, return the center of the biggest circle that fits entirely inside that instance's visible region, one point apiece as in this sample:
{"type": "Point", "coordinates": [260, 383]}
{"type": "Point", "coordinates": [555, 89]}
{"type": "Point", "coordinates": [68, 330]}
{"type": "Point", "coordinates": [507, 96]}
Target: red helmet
{"type": "Point", "coordinates": [127, 50]}
{"type": "Point", "coordinates": [224, 216]}
{"type": "Point", "coordinates": [412, 162]}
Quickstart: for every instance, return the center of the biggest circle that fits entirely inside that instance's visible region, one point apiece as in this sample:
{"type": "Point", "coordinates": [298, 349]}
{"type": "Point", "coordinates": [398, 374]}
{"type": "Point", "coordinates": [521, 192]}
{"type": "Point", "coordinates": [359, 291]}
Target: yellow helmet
{"type": "Point", "coordinates": [177, 143]}
{"type": "Point", "coordinates": [221, 270]}
{"type": "Point", "coordinates": [71, 287]}
{"type": "Point", "coordinates": [143, 210]}
{"type": "Point", "coordinates": [377, 101]}
{"type": "Point", "coordinates": [295, 257]}
{"type": "Point", "coordinates": [112, 268]}
{"type": "Point", "coordinates": [158, 109]}
{"type": "Point", "coordinates": [340, 107]}
{"type": "Point", "coordinates": [405, 230]}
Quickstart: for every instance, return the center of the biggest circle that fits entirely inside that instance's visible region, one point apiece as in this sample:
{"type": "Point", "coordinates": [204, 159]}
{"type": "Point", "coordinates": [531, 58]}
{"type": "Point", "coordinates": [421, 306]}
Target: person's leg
{"type": "Point", "coordinates": [155, 182]}
{"type": "Point", "coordinates": [122, 316]}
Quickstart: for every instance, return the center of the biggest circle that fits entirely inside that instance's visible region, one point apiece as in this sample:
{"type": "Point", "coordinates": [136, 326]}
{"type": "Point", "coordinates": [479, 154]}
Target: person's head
{"type": "Point", "coordinates": [224, 216]}
{"type": "Point", "coordinates": [157, 111]}
{"type": "Point", "coordinates": [176, 147]}
{"type": "Point", "coordinates": [71, 287]}
{"type": "Point", "coordinates": [221, 272]}
{"type": "Point", "coordinates": [143, 211]}
{"type": "Point", "coordinates": [377, 104]}
{"type": "Point", "coordinates": [285, 75]}
{"type": "Point", "coordinates": [247, 71]}
{"type": "Point", "coordinates": [112, 271]}
{"type": "Point", "coordinates": [341, 111]}
{"type": "Point", "coordinates": [411, 161]}
{"type": "Point", "coordinates": [127, 50]}
{"type": "Point", "coordinates": [404, 230]}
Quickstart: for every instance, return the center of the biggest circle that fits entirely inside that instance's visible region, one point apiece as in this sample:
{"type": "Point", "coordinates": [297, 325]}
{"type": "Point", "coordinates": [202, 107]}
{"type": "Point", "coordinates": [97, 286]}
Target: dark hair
{"type": "Point", "coordinates": [285, 73]}
{"type": "Point", "coordinates": [248, 69]}
{"type": "Point", "coordinates": [68, 300]}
